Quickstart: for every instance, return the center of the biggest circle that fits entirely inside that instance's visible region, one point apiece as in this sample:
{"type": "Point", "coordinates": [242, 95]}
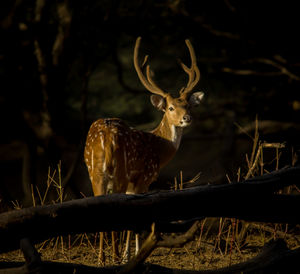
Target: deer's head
{"type": "Point", "coordinates": [176, 110]}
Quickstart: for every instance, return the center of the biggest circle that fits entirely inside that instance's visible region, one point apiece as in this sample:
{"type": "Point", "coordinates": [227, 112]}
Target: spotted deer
{"type": "Point", "coordinates": [121, 159]}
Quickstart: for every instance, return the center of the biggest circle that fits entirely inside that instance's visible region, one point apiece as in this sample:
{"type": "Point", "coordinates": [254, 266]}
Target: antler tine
{"type": "Point", "coordinates": [193, 72]}
{"type": "Point", "coordinates": [148, 83]}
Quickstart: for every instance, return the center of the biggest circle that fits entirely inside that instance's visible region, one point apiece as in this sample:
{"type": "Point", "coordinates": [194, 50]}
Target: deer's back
{"type": "Point", "coordinates": [123, 154]}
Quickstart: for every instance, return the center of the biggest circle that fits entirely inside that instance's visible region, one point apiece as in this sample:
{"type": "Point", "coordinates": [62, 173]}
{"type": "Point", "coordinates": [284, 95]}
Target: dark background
{"type": "Point", "coordinates": [63, 64]}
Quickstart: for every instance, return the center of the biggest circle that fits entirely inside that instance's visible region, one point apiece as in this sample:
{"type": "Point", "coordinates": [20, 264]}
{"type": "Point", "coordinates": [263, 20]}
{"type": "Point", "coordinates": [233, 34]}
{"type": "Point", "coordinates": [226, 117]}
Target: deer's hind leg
{"type": "Point", "coordinates": [100, 181]}
{"type": "Point", "coordinates": [117, 185]}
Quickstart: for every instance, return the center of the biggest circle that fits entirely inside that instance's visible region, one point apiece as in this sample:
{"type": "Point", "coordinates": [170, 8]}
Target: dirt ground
{"type": "Point", "coordinates": [214, 246]}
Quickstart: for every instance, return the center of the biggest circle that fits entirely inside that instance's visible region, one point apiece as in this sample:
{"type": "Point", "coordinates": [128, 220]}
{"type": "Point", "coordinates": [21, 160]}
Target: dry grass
{"type": "Point", "coordinates": [211, 249]}
{"type": "Point", "coordinates": [220, 242]}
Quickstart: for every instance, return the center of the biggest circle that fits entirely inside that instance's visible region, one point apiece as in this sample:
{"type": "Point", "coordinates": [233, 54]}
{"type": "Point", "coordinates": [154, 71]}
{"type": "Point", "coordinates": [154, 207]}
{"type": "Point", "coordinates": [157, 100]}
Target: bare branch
{"type": "Point", "coordinates": [282, 70]}
{"type": "Point", "coordinates": [220, 33]}
{"type": "Point", "coordinates": [181, 240]}
{"type": "Point", "coordinates": [249, 72]}
{"type": "Point", "coordinates": [155, 240]}
{"type": "Point", "coordinates": [65, 18]}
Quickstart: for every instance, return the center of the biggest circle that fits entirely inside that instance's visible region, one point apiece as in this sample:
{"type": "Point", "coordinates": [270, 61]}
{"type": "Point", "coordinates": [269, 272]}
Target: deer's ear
{"type": "Point", "coordinates": [196, 98]}
{"type": "Point", "coordinates": [158, 101]}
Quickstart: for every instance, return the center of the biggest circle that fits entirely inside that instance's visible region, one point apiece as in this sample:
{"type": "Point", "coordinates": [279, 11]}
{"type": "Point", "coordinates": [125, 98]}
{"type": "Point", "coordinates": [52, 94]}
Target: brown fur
{"type": "Point", "coordinates": [121, 159]}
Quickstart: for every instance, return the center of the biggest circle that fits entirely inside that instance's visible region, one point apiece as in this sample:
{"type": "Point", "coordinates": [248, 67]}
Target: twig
{"type": "Point", "coordinates": [252, 167]}
{"type": "Point", "coordinates": [155, 240]}
{"type": "Point", "coordinates": [249, 72]}
{"type": "Point", "coordinates": [273, 145]}
{"type": "Point", "coordinates": [181, 240]}
{"type": "Point", "coordinates": [282, 69]}
{"type": "Point", "coordinates": [277, 232]}
{"type": "Point", "coordinates": [148, 246]}
{"type": "Point", "coordinates": [220, 33]}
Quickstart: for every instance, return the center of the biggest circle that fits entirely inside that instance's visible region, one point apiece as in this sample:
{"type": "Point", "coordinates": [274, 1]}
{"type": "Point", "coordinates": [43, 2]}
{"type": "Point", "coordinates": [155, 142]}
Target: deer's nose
{"type": "Point", "coordinates": [187, 118]}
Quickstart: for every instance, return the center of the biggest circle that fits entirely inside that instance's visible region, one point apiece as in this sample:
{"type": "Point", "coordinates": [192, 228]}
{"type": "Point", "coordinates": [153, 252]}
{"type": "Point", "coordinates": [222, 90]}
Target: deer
{"type": "Point", "coordinates": [121, 159]}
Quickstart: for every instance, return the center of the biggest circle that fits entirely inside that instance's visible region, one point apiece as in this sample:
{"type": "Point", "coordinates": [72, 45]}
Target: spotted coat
{"type": "Point", "coordinates": [120, 159]}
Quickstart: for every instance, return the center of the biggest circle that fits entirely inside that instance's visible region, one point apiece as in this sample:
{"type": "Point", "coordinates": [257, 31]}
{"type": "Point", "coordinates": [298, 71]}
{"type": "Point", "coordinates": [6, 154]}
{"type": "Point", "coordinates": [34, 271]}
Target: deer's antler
{"type": "Point", "coordinates": [148, 82]}
{"type": "Point", "coordinates": [193, 72]}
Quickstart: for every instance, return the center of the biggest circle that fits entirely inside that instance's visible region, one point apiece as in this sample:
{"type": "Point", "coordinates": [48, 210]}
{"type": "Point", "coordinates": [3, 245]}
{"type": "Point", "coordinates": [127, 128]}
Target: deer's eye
{"type": "Point", "coordinates": [171, 108]}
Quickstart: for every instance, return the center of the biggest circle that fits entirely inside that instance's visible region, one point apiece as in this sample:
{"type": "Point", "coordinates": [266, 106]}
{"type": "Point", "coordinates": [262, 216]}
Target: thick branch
{"type": "Point", "coordinates": [181, 240]}
{"type": "Point", "coordinates": [249, 200]}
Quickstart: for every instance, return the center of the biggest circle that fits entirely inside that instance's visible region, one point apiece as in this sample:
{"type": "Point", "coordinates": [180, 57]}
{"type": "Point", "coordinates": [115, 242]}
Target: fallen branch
{"type": "Point", "coordinates": [250, 200]}
{"type": "Point", "coordinates": [181, 240]}
{"type": "Point", "coordinates": [154, 240]}
{"type": "Point", "coordinates": [273, 231]}
{"type": "Point", "coordinates": [275, 257]}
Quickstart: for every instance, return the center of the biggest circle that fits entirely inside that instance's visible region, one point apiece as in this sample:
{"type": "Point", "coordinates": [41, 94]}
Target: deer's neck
{"type": "Point", "coordinates": [169, 141]}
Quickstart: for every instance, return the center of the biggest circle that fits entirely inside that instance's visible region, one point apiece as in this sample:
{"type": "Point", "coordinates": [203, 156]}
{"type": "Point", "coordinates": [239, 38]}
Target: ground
{"type": "Point", "coordinates": [213, 247]}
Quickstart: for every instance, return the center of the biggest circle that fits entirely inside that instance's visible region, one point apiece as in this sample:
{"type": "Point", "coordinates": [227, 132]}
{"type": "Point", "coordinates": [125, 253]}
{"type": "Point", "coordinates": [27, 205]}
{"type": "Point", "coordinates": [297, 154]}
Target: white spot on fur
{"type": "Point", "coordinates": [92, 165]}
{"type": "Point", "coordinates": [102, 143]}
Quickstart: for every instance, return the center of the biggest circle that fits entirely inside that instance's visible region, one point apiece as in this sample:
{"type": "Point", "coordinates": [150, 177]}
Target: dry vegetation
{"type": "Point", "coordinates": [217, 244]}
{"type": "Point", "coordinates": [220, 242]}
